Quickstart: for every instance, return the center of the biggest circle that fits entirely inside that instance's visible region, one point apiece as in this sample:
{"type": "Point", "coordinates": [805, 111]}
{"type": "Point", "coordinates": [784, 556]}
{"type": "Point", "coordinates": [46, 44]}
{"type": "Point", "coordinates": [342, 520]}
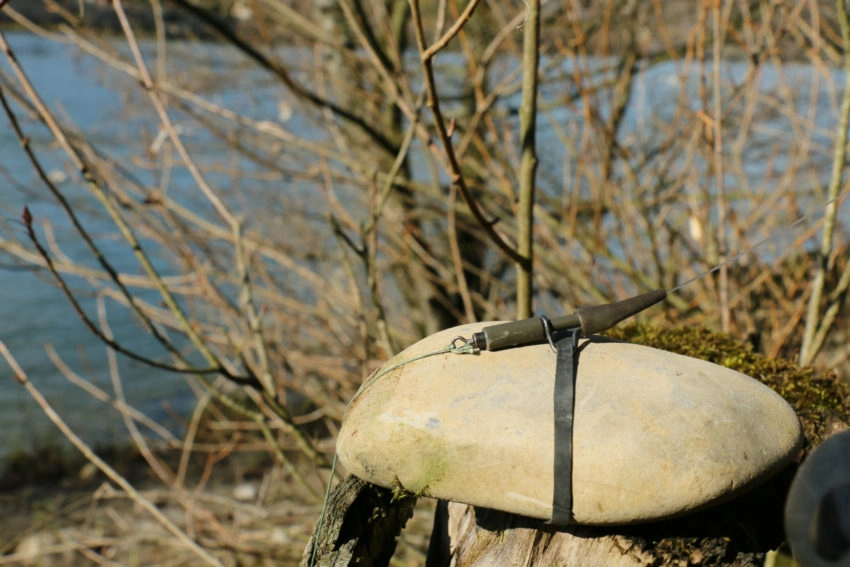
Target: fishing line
{"type": "Point", "coordinates": [324, 509]}
{"type": "Point", "coordinates": [458, 345]}
{"type": "Point", "coordinates": [778, 232]}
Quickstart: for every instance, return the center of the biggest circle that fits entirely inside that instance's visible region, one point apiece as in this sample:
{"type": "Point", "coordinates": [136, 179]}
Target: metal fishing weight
{"type": "Point", "coordinates": [591, 320]}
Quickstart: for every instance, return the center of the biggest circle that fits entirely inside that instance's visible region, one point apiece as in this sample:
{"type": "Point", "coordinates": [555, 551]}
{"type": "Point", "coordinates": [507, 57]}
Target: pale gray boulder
{"type": "Point", "coordinates": [655, 434]}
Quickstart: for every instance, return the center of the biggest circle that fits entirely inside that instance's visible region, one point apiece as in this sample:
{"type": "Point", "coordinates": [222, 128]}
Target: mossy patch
{"type": "Point", "coordinates": [399, 492]}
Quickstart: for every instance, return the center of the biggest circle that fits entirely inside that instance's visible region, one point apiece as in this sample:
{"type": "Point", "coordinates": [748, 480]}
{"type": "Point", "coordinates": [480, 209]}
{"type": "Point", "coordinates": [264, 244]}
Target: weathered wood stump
{"type": "Point", "coordinates": [738, 533]}
{"type": "Point", "coordinates": [363, 522]}
{"type": "Point", "coordinates": [360, 526]}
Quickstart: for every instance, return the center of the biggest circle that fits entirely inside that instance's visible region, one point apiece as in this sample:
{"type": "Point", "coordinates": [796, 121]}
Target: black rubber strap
{"type": "Point", "coordinates": [565, 380]}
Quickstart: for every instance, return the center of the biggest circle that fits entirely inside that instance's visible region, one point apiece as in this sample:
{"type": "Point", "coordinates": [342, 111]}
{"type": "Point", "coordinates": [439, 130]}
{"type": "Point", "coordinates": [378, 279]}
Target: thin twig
{"type": "Point", "coordinates": [247, 307]}
{"type": "Point", "coordinates": [84, 168]}
{"type": "Point", "coordinates": [189, 438]}
{"type": "Point", "coordinates": [281, 73]}
{"type": "Point", "coordinates": [451, 32]}
{"type": "Point", "coordinates": [99, 394]}
{"type": "Point", "coordinates": [26, 217]}
{"type": "Point", "coordinates": [166, 476]}
{"type": "Point", "coordinates": [528, 163]}
{"type": "Point", "coordinates": [391, 84]}
{"type": "Point", "coordinates": [457, 176]}
{"type": "Point", "coordinates": [457, 257]}
{"type": "Point", "coordinates": [395, 170]}
{"type": "Point", "coordinates": [81, 446]}
{"type": "Point", "coordinates": [720, 185]}
{"type": "Point", "coordinates": [835, 300]}
{"type": "Point", "coordinates": [813, 338]}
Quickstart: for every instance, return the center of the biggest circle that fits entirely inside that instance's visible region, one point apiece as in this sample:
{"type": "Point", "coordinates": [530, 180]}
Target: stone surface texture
{"type": "Point", "coordinates": [655, 434]}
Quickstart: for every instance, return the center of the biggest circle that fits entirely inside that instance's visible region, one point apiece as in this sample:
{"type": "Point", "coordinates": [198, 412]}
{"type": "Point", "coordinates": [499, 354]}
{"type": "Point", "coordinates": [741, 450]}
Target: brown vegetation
{"type": "Point", "coordinates": [383, 188]}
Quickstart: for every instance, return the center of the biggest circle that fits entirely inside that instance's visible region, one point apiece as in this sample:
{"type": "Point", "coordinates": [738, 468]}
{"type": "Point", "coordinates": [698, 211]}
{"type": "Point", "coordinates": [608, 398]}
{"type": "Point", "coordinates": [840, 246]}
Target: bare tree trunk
{"type": "Point", "coordinates": [360, 527]}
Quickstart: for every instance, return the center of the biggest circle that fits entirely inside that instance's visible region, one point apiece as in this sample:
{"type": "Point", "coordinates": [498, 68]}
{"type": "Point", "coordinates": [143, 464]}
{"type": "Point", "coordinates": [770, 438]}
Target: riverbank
{"type": "Point", "coordinates": [241, 514]}
{"type": "Point", "coordinates": [239, 17]}
{"type": "Point", "coordinates": [100, 16]}
{"type": "Point", "coordinates": [676, 20]}
{"type": "Point", "coordinates": [58, 509]}
{"type": "Point", "coordinates": [658, 34]}
{"type": "Point", "coordinates": [83, 521]}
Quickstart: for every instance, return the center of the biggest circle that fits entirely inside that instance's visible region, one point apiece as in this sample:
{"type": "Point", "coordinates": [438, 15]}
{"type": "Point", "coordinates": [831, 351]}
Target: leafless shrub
{"type": "Point", "coordinates": [364, 189]}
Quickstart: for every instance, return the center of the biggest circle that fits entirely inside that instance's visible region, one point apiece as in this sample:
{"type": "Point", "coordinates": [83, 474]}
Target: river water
{"type": "Point", "coordinates": [34, 313]}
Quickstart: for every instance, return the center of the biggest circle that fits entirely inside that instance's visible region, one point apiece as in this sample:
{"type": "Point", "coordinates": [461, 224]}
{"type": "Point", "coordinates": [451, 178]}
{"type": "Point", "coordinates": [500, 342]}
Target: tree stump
{"type": "Point", "coordinates": [739, 533]}
{"type": "Point", "coordinates": [360, 526]}
{"type": "Point", "coordinates": [485, 538]}
{"type": "Point", "coordinates": [363, 521]}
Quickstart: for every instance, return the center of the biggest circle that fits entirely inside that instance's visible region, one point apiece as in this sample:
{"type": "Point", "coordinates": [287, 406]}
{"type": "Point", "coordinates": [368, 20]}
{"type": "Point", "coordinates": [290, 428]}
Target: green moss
{"type": "Point", "coordinates": [819, 399]}
{"type": "Point", "coordinates": [400, 493]}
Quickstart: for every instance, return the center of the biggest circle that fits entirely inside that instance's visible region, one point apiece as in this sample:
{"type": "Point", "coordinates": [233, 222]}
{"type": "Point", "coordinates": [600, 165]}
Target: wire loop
{"type": "Point", "coordinates": [464, 347]}
{"type": "Point", "coordinates": [548, 329]}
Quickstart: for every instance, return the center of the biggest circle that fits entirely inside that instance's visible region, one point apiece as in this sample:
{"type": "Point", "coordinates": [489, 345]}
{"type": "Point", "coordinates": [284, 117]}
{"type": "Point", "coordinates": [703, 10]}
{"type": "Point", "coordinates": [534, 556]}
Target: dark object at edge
{"type": "Point", "coordinates": [817, 511]}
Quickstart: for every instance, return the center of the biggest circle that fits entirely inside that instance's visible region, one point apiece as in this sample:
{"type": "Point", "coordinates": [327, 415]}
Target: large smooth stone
{"type": "Point", "coordinates": [655, 434]}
